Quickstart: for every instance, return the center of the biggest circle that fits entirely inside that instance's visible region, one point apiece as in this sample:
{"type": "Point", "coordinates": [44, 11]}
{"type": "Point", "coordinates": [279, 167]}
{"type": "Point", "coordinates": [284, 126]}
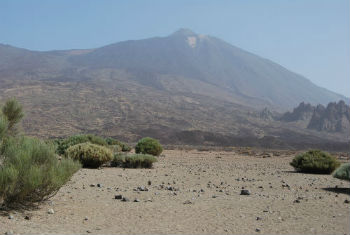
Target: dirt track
{"type": "Point", "coordinates": [280, 201]}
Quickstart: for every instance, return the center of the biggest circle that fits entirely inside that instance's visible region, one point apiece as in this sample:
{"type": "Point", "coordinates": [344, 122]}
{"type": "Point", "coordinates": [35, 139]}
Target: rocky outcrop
{"type": "Point", "coordinates": [302, 112]}
{"type": "Point", "coordinates": [334, 118]}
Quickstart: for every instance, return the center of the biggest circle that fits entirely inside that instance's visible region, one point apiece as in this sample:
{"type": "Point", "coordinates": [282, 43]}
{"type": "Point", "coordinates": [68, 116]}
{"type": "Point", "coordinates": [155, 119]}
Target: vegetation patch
{"type": "Point", "coordinates": [150, 146]}
{"type": "Point", "coordinates": [133, 160]}
{"type": "Point", "coordinates": [123, 146]}
{"type": "Point", "coordinates": [30, 171]}
{"type": "Point", "coordinates": [315, 161]}
{"type": "Point", "coordinates": [63, 145]}
{"type": "Point", "coordinates": [90, 155]}
{"type": "Point", "coordinates": [343, 172]}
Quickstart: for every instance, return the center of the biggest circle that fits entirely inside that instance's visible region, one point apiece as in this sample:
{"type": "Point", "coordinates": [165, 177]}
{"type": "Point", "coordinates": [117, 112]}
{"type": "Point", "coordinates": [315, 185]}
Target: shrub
{"type": "Point", "coordinates": [90, 155]}
{"type": "Point", "coordinates": [63, 145]}
{"type": "Point", "coordinates": [315, 161]}
{"type": "Point", "coordinates": [133, 161]}
{"type": "Point", "coordinates": [31, 172]}
{"type": "Point", "coordinates": [343, 172]}
{"type": "Point", "coordinates": [123, 146]}
{"type": "Point", "coordinates": [149, 145]}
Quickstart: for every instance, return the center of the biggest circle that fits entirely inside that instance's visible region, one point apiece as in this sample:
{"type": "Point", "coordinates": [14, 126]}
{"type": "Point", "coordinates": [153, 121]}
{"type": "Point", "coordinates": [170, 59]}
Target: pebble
{"type": "Point", "coordinates": [27, 217]}
{"type": "Point", "coordinates": [149, 182]}
{"type": "Point", "coordinates": [346, 201]}
{"type": "Point", "coordinates": [125, 199]}
{"type": "Point", "coordinates": [118, 197]}
{"type": "Point", "coordinates": [51, 211]}
{"type": "Point", "coordinates": [92, 185]}
{"type": "Point", "coordinates": [11, 217]}
{"type": "Point", "coordinates": [245, 192]}
{"type": "Point", "coordinates": [86, 218]}
{"type": "Point", "coordinates": [10, 232]}
{"type": "Point", "coordinates": [257, 230]}
{"type": "Point", "coordinates": [137, 200]}
{"type": "Point", "coordinates": [99, 185]}
{"type": "Point", "coordinates": [187, 202]}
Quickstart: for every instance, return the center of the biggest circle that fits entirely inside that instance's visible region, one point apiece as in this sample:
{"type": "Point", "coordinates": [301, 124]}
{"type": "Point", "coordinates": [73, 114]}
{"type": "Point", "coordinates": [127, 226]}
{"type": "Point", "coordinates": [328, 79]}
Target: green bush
{"type": "Point", "coordinates": [343, 172]}
{"type": "Point", "coordinates": [63, 145]}
{"type": "Point", "coordinates": [315, 161]}
{"type": "Point", "coordinates": [133, 161]}
{"type": "Point", "coordinates": [123, 146]}
{"type": "Point", "coordinates": [90, 155]}
{"type": "Point", "coordinates": [31, 172]}
{"type": "Point", "coordinates": [149, 145]}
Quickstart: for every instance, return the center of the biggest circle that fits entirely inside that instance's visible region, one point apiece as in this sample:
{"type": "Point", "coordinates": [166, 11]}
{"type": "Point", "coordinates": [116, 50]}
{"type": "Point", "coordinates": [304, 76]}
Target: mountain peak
{"type": "Point", "coordinates": [184, 32]}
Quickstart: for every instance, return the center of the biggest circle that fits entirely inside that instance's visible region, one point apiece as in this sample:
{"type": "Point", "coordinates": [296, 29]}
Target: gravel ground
{"type": "Point", "coordinates": [193, 192]}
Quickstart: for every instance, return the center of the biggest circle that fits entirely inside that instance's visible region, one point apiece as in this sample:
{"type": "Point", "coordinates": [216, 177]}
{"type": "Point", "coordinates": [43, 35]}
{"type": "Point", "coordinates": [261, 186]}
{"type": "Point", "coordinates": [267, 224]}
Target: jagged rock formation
{"type": "Point", "coordinates": [334, 118]}
{"type": "Point", "coordinates": [302, 112]}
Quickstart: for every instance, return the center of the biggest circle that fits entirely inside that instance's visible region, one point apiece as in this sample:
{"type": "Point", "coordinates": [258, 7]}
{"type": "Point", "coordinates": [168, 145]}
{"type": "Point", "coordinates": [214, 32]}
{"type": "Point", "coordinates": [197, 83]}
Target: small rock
{"type": "Point", "coordinates": [92, 185]}
{"type": "Point", "coordinates": [10, 232]}
{"type": "Point", "coordinates": [296, 201]}
{"type": "Point", "coordinates": [214, 196]}
{"type": "Point", "coordinates": [51, 211]}
{"type": "Point", "coordinates": [149, 182]}
{"type": "Point", "coordinates": [137, 200]}
{"type": "Point", "coordinates": [88, 231]}
{"type": "Point", "coordinates": [27, 217]}
{"type": "Point", "coordinates": [125, 199]}
{"type": "Point", "coordinates": [86, 218]}
{"type": "Point", "coordinates": [187, 202]}
{"type": "Point", "coordinates": [257, 230]}
{"type": "Point", "coordinates": [245, 192]}
{"type": "Point", "coordinates": [11, 217]}
{"type": "Point", "coordinates": [258, 218]}
{"type": "Point", "coordinates": [99, 185]}
{"type": "Point", "coordinates": [346, 201]}
{"type": "Point", "coordinates": [118, 197]}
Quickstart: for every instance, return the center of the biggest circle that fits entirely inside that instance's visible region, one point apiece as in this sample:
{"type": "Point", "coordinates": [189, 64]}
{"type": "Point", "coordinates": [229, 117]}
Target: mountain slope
{"type": "Point", "coordinates": [248, 78]}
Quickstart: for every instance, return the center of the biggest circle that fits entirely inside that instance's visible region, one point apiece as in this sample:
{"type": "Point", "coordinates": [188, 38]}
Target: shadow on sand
{"type": "Point", "coordinates": [338, 190]}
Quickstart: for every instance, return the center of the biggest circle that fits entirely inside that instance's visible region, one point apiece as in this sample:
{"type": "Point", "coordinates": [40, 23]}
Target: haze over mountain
{"type": "Point", "coordinates": [158, 86]}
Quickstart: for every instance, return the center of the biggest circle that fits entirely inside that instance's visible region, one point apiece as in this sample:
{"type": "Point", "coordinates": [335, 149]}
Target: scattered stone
{"type": "Point", "coordinates": [149, 182]}
{"type": "Point", "coordinates": [187, 202]}
{"type": "Point", "coordinates": [10, 232]}
{"type": "Point", "coordinates": [88, 231]}
{"type": "Point", "coordinates": [257, 230]}
{"type": "Point", "coordinates": [11, 217]}
{"type": "Point", "coordinates": [118, 197]}
{"type": "Point", "coordinates": [125, 199]}
{"type": "Point", "coordinates": [27, 217]}
{"type": "Point", "coordinates": [245, 192]}
{"type": "Point", "coordinates": [346, 201]}
{"type": "Point", "coordinates": [202, 190]}
{"type": "Point", "coordinates": [258, 218]}
{"type": "Point", "coordinates": [51, 211]}
{"type": "Point", "coordinates": [92, 185]}
{"type": "Point", "coordinates": [137, 200]}
{"type": "Point", "coordinates": [297, 201]}
{"type": "Point", "coordinates": [99, 185]}
{"type": "Point", "coordinates": [214, 196]}
{"type": "Point", "coordinates": [86, 218]}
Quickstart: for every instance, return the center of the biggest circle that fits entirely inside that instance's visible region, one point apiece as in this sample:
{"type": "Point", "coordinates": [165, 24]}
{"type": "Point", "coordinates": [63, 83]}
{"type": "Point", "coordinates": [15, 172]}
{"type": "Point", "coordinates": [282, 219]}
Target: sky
{"type": "Point", "coordinates": [309, 37]}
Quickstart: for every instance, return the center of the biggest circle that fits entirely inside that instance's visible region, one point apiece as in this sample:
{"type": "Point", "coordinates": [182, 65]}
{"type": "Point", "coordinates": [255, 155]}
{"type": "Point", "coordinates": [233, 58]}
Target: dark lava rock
{"type": "Point", "coordinates": [245, 192]}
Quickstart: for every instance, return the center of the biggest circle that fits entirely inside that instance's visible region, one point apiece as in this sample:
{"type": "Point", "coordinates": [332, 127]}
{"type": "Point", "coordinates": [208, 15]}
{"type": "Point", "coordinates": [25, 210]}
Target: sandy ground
{"type": "Point", "coordinates": [194, 192]}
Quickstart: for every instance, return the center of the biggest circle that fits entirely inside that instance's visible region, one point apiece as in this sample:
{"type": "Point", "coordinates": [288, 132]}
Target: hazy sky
{"type": "Point", "coordinates": [310, 37]}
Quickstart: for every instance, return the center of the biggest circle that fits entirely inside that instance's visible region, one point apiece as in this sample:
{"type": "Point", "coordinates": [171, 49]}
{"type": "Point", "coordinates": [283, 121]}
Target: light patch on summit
{"type": "Point", "coordinates": [192, 41]}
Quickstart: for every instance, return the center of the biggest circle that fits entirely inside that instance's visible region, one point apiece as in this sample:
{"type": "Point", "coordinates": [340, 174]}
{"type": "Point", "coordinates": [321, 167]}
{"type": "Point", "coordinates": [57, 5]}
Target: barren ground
{"type": "Point", "coordinates": [281, 201]}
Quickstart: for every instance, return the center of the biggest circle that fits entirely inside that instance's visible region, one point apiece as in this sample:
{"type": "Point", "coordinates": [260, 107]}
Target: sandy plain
{"type": "Point", "coordinates": [193, 192]}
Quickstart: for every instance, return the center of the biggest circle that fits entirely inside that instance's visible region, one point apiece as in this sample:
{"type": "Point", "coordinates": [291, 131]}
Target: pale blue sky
{"type": "Point", "coordinates": [310, 37]}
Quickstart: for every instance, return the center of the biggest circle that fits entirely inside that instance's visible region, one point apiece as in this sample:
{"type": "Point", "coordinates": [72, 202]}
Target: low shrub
{"type": "Point", "coordinates": [150, 146]}
{"type": "Point", "coordinates": [31, 172]}
{"type": "Point", "coordinates": [343, 172]}
{"type": "Point", "coordinates": [315, 161]}
{"type": "Point", "coordinates": [123, 146]}
{"type": "Point", "coordinates": [64, 144]}
{"type": "Point", "coordinates": [133, 161]}
{"type": "Point", "coordinates": [90, 155]}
